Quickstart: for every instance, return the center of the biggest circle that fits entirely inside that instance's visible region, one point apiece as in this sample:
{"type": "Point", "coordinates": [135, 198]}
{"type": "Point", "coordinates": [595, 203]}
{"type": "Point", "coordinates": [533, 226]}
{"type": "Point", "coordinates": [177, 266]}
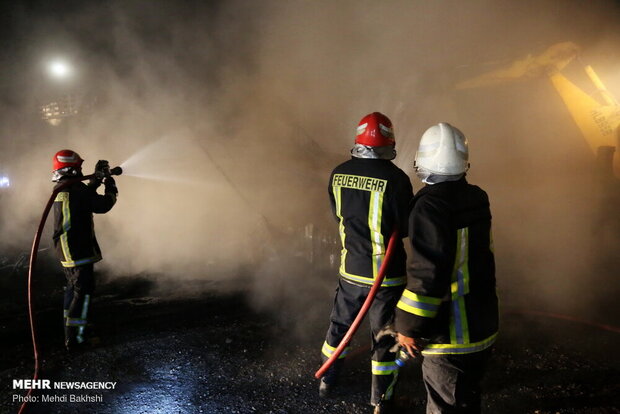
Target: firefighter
{"type": "Point", "coordinates": [74, 236]}
{"type": "Point", "coordinates": [448, 310]}
{"type": "Point", "coordinates": [370, 199]}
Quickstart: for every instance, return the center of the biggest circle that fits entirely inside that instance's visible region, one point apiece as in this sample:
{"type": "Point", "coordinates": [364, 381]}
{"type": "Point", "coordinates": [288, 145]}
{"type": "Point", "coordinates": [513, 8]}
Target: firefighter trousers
{"type": "Point", "coordinates": [453, 382]}
{"type": "Point", "coordinates": [347, 304]}
{"type": "Point", "coordinates": [80, 286]}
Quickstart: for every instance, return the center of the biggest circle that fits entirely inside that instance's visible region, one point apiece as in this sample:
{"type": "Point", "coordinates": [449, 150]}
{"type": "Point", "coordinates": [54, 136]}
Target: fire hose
{"type": "Point", "coordinates": [365, 307]}
{"type": "Point", "coordinates": [33, 258]}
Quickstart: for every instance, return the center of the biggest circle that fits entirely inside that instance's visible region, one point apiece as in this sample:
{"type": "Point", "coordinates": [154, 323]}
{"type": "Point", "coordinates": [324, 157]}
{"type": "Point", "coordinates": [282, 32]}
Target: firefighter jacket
{"type": "Point", "coordinates": [370, 199]}
{"type": "Point", "coordinates": [74, 231]}
{"type": "Point", "coordinates": [450, 295]}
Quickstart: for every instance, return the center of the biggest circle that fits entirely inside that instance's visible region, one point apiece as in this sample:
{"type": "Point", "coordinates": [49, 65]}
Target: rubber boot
{"type": "Point", "coordinates": [329, 380]}
{"type": "Point", "coordinates": [70, 338]}
{"type": "Point", "coordinates": [384, 407]}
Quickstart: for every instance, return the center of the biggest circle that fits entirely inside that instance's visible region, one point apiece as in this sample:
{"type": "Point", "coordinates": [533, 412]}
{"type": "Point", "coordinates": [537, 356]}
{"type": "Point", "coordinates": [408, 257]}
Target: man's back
{"type": "Point", "coordinates": [450, 230]}
{"type": "Point", "coordinates": [370, 198]}
{"type": "Point", "coordinates": [74, 233]}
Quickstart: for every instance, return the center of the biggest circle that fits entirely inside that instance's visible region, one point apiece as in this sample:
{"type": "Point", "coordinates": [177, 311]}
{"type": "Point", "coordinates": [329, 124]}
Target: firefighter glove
{"type": "Point", "coordinates": [110, 185]}
{"type": "Point", "coordinates": [102, 169]}
{"type": "Point", "coordinates": [413, 346]}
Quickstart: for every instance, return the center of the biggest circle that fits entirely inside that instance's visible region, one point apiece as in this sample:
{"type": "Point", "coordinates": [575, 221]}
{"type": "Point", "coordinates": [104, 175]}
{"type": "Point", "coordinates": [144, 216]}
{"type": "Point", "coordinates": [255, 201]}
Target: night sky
{"type": "Point", "coordinates": [92, 34]}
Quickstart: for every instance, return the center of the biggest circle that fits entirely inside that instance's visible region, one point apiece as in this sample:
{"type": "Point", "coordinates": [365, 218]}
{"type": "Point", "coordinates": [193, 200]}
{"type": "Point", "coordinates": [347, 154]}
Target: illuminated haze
{"type": "Point", "coordinates": [229, 116]}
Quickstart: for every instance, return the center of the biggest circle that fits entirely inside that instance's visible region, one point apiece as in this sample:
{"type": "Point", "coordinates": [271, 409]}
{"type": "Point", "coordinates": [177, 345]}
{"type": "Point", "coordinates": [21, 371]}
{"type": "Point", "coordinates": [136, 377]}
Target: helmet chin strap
{"type": "Point", "coordinates": [373, 153]}
{"type": "Point", "coordinates": [430, 178]}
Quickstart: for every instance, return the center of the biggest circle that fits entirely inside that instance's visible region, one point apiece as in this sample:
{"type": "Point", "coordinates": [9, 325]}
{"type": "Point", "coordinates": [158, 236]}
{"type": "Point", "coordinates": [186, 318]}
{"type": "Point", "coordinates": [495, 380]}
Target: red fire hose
{"type": "Point", "coordinates": [33, 259]}
{"type": "Point", "coordinates": [360, 316]}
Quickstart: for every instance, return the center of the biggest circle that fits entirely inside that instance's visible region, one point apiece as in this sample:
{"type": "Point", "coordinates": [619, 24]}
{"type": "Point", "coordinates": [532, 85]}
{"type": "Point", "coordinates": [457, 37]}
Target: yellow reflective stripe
{"type": "Point", "coordinates": [443, 349]}
{"type": "Point", "coordinates": [416, 311]}
{"type": "Point", "coordinates": [394, 281]}
{"type": "Point", "coordinates": [65, 250]}
{"type": "Point", "coordinates": [459, 328]}
{"type": "Point", "coordinates": [328, 350]}
{"type": "Point", "coordinates": [419, 298]}
{"type": "Point", "coordinates": [63, 197]}
{"type": "Point", "coordinates": [343, 252]}
{"type": "Point", "coordinates": [74, 263]}
{"type": "Point", "coordinates": [426, 306]}
{"type": "Point", "coordinates": [66, 213]}
{"type": "Point", "coordinates": [464, 323]}
{"type": "Point", "coordinates": [460, 274]}
{"type": "Point", "coordinates": [374, 224]}
{"type": "Point", "coordinates": [384, 368]}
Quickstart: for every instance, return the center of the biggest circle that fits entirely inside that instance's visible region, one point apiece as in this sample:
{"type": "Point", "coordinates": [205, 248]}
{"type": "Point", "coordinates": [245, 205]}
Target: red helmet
{"type": "Point", "coordinates": [67, 158]}
{"type": "Point", "coordinates": [375, 130]}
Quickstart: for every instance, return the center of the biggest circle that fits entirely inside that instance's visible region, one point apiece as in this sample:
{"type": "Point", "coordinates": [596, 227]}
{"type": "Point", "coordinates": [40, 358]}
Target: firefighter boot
{"type": "Point", "coordinates": [71, 342]}
{"type": "Point", "coordinates": [384, 407]}
{"type": "Point", "coordinates": [325, 388]}
{"type": "Point", "coordinates": [329, 380]}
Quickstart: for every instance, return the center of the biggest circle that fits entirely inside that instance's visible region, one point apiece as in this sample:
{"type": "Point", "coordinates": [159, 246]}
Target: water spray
{"type": "Point", "coordinates": [106, 172]}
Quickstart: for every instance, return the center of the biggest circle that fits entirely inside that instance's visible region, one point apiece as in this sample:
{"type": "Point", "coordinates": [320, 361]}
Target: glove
{"type": "Point", "coordinates": [110, 185]}
{"type": "Point", "coordinates": [102, 168]}
{"type": "Point", "coordinates": [413, 345]}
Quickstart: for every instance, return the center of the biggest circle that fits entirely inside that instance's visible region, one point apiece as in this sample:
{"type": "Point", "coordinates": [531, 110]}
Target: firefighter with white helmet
{"type": "Point", "coordinates": [443, 153]}
{"type": "Point", "coordinates": [370, 198]}
{"type": "Point", "coordinates": [74, 236]}
{"type": "Point", "coordinates": [448, 310]}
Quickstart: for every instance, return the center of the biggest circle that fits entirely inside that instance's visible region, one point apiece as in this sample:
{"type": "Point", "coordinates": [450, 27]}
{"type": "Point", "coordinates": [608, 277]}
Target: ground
{"type": "Point", "coordinates": [212, 352]}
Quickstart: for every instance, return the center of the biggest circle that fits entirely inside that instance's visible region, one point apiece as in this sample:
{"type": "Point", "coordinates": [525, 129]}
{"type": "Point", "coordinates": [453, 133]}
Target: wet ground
{"type": "Point", "coordinates": [212, 352]}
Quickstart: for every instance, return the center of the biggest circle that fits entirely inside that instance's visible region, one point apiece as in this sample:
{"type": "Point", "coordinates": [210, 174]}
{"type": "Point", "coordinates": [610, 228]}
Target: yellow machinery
{"type": "Point", "coordinates": [598, 116]}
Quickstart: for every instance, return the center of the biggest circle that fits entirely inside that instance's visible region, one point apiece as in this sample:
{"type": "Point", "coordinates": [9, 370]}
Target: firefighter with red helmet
{"type": "Point", "coordinates": [449, 309]}
{"type": "Point", "coordinates": [74, 236]}
{"type": "Point", "coordinates": [370, 199]}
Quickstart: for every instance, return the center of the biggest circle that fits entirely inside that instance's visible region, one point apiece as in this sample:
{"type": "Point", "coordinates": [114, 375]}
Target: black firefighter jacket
{"type": "Point", "coordinates": [370, 198]}
{"type": "Point", "coordinates": [450, 294]}
{"type": "Point", "coordinates": [74, 231]}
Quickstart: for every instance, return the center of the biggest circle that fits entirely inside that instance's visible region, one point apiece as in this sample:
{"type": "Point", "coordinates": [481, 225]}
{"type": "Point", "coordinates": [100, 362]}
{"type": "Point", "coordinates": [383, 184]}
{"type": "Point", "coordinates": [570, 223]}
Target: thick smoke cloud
{"type": "Point", "coordinates": [230, 115]}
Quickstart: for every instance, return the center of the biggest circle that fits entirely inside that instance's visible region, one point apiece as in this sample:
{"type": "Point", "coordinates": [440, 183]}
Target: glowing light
{"type": "Point", "coordinates": [59, 69]}
{"type": "Point", "coordinates": [5, 182]}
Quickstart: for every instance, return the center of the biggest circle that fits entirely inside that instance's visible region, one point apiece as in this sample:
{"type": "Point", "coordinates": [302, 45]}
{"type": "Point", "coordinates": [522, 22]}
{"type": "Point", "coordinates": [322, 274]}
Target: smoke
{"type": "Point", "coordinates": [229, 116]}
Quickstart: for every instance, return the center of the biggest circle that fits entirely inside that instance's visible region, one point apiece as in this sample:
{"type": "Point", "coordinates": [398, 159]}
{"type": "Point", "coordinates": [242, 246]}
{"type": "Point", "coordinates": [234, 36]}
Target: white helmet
{"type": "Point", "coordinates": [443, 151]}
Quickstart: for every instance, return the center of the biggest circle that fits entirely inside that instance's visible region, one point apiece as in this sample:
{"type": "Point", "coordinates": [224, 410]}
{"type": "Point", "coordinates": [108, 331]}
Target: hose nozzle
{"type": "Point", "coordinates": [116, 171]}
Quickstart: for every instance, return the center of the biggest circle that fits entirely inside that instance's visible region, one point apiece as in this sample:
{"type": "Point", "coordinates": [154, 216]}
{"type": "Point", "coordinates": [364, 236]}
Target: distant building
{"type": "Point", "coordinates": [69, 105]}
